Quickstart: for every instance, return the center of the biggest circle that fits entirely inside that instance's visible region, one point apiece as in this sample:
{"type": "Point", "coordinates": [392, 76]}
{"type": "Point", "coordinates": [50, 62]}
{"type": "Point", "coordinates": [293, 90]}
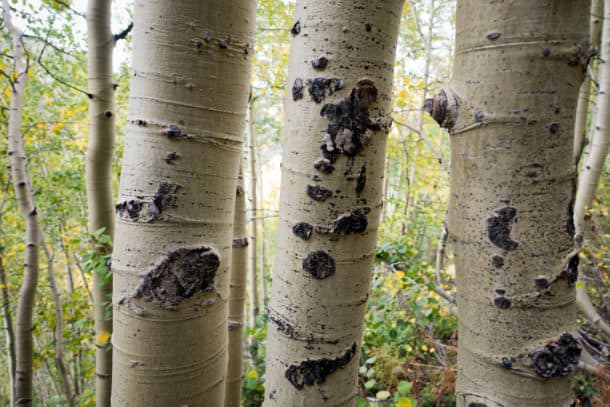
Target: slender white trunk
{"type": "Point", "coordinates": [24, 351]}
{"type": "Point", "coordinates": [98, 169]}
{"type": "Point", "coordinates": [58, 335]}
{"type": "Point", "coordinates": [253, 222]}
{"type": "Point", "coordinates": [237, 294]}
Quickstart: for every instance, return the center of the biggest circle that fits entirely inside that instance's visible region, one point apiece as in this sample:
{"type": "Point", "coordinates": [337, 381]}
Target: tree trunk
{"type": "Point", "coordinates": [172, 248]}
{"type": "Point", "coordinates": [237, 293]}
{"type": "Point", "coordinates": [58, 335]}
{"type": "Point", "coordinates": [593, 163]}
{"type": "Point", "coordinates": [24, 351]}
{"type": "Point", "coordinates": [253, 244]}
{"type": "Point", "coordinates": [337, 119]}
{"type": "Point", "coordinates": [261, 226]}
{"type": "Point", "coordinates": [98, 168]}
{"type": "Point", "coordinates": [510, 110]}
{"type": "Point", "coordinates": [8, 327]}
{"type": "Point", "coordinates": [582, 109]}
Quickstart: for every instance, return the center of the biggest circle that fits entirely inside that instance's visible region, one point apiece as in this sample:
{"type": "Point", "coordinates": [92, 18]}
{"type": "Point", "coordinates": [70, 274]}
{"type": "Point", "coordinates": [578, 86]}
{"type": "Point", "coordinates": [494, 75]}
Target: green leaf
{"type": "Point", "coordinates": [370, 384]}
{"type": "Point", "coordinates": [383, 395]}
{"type": "Point", "coordinates": [404, 388]}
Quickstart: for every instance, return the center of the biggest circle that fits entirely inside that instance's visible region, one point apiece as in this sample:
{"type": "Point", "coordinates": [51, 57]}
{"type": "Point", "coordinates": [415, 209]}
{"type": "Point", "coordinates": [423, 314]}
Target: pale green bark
{"type": "Point", "coordinates": [24, 352]}
{"type": "Point", "coordinates": [172, 248]}
{"type": "Point", "coordinates": [237, 294]}
{"type": "Point", "coordinates": [329, 207]}
{"type": "Point", "coordinates": [510, 109]}
{"type": "Point", "coordinates": [98, 176]}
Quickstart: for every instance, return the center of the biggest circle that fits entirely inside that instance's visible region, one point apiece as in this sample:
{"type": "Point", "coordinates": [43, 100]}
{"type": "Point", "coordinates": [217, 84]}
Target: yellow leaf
{"type": "Point", "coordinates": [424, 348]}
{"type": "Point", "coordinates": [406, 80]}
{"type": "Point", "coordinates": [404, 402]}
{"type": "Point", "coordinates": [252, 374]}
{"type": "Point", "coordinates": [580, 284]}
{"type": "Point", "coordinates": [103, 337]}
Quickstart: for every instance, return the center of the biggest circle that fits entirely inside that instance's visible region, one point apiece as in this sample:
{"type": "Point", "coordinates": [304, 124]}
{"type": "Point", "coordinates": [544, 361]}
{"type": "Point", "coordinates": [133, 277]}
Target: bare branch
{"type": "Point", "coordinates": [427, 141]}
{"type": "Point", "coordinates": [124, 33]}
{"type": "Point", "coordinates": [67, 6]}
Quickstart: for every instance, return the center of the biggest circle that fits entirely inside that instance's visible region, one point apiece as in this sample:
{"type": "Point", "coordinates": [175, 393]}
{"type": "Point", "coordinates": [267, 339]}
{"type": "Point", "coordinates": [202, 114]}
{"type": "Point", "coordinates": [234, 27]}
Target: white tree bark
{"type": "Point", "coordinates": [337, 119]}
{"type": "Point", "coordinates": [237, 296]}
{"type": "Point", "coordinates": [510, 109]}
{"type": "Point", "coordinates": [18, 162]}
{"type": "Point", "coordinates": [172, 248]}
{"type": "Point", "coordinates": [98, 168]}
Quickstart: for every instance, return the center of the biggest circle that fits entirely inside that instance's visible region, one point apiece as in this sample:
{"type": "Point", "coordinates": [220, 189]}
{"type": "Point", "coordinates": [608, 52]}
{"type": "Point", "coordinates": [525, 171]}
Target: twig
{"type": "Point", "coordinates": [427, 141]}
{"type": "Point", "coordinates": [124, 33]}
{"type": "Point", "coordinates": [67, 6]}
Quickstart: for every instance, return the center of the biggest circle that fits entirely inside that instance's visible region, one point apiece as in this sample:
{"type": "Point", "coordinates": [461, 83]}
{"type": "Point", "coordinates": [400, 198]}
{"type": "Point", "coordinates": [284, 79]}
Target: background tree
{"type": "Point", "coordinates": [237, 296]}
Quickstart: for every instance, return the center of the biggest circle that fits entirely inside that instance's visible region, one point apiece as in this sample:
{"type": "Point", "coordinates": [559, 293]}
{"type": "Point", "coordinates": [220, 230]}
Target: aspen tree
{"type": "Point", "coordinates": [337, 118]}
{"type": "Point", "coordinates": [98, 177]}
{"type": "Point", "coordinates": [24, 347]}
{"type": "Point", "coordinates": [237, 294]}
{"type": "Point", "coordinates": [173, 230]}
{"type": "Point", "coordinates": [510, 109]}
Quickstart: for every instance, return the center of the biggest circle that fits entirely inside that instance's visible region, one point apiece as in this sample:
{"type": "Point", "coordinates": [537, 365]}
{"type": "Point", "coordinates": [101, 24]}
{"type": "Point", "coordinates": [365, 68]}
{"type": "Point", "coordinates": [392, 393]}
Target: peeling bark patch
{"type": "Point", "coordinates": [506, 363]}
{"type": "Point", "coordinates": [556, 358]}
{"type": "Point", "coordinates": [297, 89]}
{"type": "Point", "coordinates": [541, 282]}
{"type": "Point", "coordinates": [170, 157]}
{"type": "Point", "coordinates": [498, 228]}
{"type": "Point", "coordinates": [180, 275]}
{"type": "Point", "coordinates": [296, 28]}
{"type": "Point", "coordinates": [164, 198]}
{"type": "Point", "coordinates": [136, 210]}
{"type": "Point", "coordinates": [497, 261]}
{"type": "Point", "coordinates": [493, 36]}
{"type": "Point", "coordinates": [352, 223]}
{"type": "Point", "coordinates": [361, 180]}
{"type": "Point", "coordinates": [172, 131]}
{"type": "Point", "coordinates": [502, 302]}
{"type": "Point", "coordinates": [570, 227]}
{"type": "Point", "coordinates": [240, 243]}
{"type": "Point", "coordinates": [318, 87]}
{"type": "Point", "coordinates": [129, 209]}
{"type": "Point", "coordinates": [310, 372]}
{"type": "Point", "coordinates": [318, 193]}
{"type": "Point", "coordinates": [324, 165]}
{"type": "Point", "coordinates": [320, 63]}
{"type": "Point", "coordinates": [350, 126]}
{"type": "Point", "coordinates": [570, 271]}
{"type": "Point", "coordinates": [303, 230]}
{"type": "Point", "coordinates": [282, 326]}
{"type": "Point", "coordinates": [319, 264]}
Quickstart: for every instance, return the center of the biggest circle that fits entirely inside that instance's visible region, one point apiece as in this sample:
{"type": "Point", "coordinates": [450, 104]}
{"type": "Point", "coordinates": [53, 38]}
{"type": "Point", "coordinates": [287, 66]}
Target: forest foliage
{"type": "Point", "coordinates": [409, 345]}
